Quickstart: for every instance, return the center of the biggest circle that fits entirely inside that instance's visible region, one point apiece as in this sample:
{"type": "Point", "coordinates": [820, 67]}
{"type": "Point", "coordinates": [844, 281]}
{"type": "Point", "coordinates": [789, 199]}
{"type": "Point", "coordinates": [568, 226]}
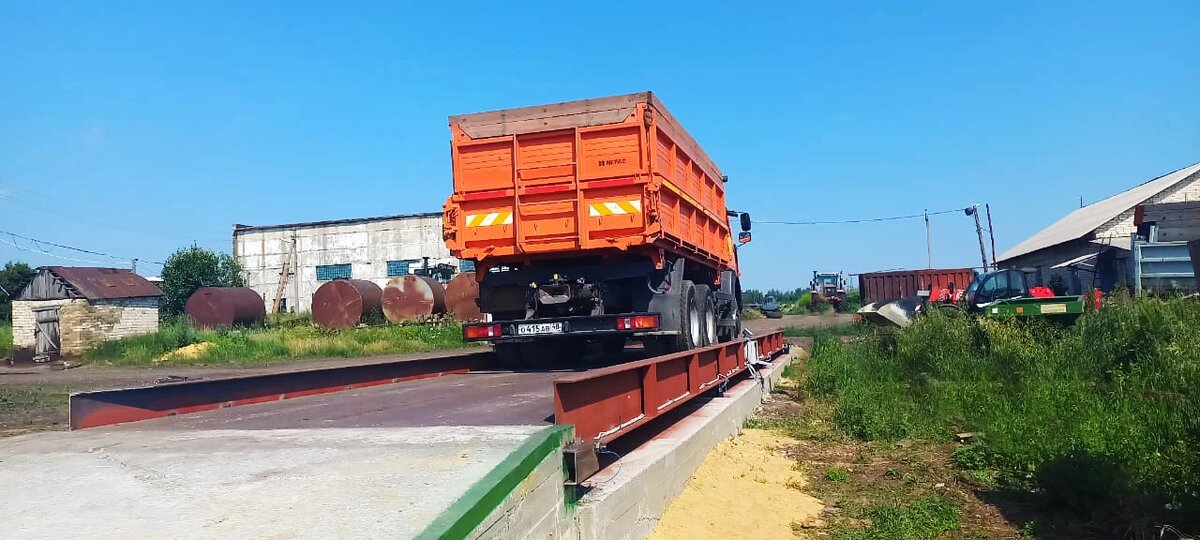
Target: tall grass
{"type": "Point", "coordinates": [1102, 418]}
{"type": "Point", "coordinates": [6, 340]}
{"type": "Point", "coordinates": [822, 332]}
{"type": "Point", "coordinates": [291, 341]}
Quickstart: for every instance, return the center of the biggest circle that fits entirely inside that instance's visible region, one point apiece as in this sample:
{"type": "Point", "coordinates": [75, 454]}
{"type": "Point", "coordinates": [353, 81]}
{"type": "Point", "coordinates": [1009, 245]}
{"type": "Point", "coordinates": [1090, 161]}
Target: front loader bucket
{"type": "Point", "coordinates": [900, 313]}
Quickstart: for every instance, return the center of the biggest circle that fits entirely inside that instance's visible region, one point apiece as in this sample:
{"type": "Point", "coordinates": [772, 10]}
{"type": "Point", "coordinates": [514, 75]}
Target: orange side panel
{"type": "Point", "coordinates": [582, 186]}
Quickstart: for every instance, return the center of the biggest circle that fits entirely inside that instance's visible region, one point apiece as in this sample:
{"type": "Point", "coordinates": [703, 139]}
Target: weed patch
{"type": "Point", "coordinates": [6, 340]}
{"type": "Point", "coordinates": [1101, 419]}
{"type": "Point", "coordinates": [293, 339]}
{"type": "Point", "coordinates": [925, 518]}
{"type": "Point", "coordinates": [820, 332]}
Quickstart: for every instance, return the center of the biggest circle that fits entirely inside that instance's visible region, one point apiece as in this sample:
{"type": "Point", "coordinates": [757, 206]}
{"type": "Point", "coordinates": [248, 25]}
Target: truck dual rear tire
{"type": "Point", "coordinates": [707, 311]}
{"type": "Point", "coordinates": [698, 322]}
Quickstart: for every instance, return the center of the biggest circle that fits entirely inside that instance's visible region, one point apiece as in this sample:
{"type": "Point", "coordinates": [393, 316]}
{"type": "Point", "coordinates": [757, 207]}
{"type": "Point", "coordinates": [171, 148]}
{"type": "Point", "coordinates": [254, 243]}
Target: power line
{"type": "Point", "coordinates": [38, 243]}
{"type": "Point", "coordinates": [866, 220]}
{"type": "Point", "coordinates": [47, 253]}
{"type": "Point", "coordinates": [9, 194]}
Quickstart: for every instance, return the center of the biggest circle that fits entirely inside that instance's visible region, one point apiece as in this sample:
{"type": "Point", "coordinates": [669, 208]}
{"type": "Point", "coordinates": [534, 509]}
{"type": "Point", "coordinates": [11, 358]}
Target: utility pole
{"type": "Point", "coordinates": [991, 232]}
{"type": "Point", "coordinates": [928, 240]}
{"type": "Point", "coordinates": [973, 211]}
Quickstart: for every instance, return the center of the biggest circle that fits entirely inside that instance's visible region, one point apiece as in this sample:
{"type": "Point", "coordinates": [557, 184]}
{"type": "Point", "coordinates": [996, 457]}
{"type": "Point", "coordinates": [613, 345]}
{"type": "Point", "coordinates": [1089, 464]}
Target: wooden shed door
{"type": "Point", "coordinates": [46, 333]}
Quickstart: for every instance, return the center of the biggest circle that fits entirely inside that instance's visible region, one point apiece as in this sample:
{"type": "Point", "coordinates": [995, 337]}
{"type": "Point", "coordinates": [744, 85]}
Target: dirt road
{"type": "Point", "coordinates": [761, 326]}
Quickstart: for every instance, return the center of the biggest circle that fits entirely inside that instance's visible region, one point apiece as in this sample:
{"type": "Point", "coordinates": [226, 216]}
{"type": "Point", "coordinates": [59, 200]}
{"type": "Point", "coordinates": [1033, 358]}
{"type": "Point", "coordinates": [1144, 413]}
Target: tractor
{"type": "Point", "coordinates": [828, 288]}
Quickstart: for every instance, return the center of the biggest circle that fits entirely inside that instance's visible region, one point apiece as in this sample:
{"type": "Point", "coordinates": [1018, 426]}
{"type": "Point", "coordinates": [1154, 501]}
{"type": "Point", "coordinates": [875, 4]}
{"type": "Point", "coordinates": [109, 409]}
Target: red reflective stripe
{"type": "Point", "coordinates": [538, 190]}
{"type": "Point", "coordinates": [493, 194]}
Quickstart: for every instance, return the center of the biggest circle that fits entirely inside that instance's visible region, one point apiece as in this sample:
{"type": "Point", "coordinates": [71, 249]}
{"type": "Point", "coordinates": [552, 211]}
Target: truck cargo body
{"type": "Point", "coordinates": [594, 208]}
{"type": "Point", "coordinates": [892, 286]}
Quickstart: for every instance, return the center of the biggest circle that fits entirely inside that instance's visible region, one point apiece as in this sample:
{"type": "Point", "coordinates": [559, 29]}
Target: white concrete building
{"type": "Point", "coordinates": [374, 249]}
{"type": "Point", "coordinates": [1091, 247]}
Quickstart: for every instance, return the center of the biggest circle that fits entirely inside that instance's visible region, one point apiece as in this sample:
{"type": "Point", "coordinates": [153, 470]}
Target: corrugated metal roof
{"type": "Point", "coordinates": [1079, 223]}
{"type": "Point", "coordinates": [105, 283]}
{"type": "Point", "coordinates": [241, 229]}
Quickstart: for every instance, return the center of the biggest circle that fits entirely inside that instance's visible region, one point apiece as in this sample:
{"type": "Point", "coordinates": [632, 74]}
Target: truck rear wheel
{"type": "Point", "coordinates": [689, 325]}
{"type": "Point", "coordinates": [730, 333]}
{"type": "Point", "coordinates": [706, 310]}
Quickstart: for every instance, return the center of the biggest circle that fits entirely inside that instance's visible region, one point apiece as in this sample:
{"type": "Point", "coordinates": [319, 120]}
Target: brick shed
{"type": "Point", "coordinates": [1091, 246]}
{"type": "Point", "coordinates": [65, 310]}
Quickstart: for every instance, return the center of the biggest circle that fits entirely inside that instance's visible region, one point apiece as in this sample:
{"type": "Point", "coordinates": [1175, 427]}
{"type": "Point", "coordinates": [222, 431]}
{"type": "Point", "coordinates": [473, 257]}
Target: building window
{"type": "Point", "coordinates": [466, 265]}
{"type": "Point", "coordinates": [399, 268]}
{"type": "Point", "coordinates": [326, 272]}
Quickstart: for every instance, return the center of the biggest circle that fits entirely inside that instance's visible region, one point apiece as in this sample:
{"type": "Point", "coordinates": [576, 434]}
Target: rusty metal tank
{"type": "Point", "coordinates": [216, 307]}
{"type": "Point", "coordinates": [413, 298]}
{"type": "Point", "coordinates": [461, 294]}
{"type": "Point", "coordinates": [343, 303]}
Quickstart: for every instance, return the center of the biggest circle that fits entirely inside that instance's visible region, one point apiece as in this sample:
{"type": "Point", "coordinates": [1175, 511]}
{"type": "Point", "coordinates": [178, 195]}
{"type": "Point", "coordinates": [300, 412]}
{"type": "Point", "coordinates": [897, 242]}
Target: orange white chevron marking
{"type": "Point", "coordinates": [489, 219]}
{"type": "Point", "coordinates": [615, 208]}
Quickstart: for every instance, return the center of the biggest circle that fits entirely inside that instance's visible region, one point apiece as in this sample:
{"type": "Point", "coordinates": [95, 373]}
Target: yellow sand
{"type": "Point", "coordinates": [186, 352]}
{"type": "Point", "coordinates": [744, 489]}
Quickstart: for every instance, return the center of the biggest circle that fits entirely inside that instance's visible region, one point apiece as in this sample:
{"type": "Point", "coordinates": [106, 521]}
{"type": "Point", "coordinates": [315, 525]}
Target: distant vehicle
{"type": "Point", "coordinates": [828, 288]}
{"type": "Point", "coordinates": [771, 308]}
{"type": "Point", "coordinates": [1004, 292]}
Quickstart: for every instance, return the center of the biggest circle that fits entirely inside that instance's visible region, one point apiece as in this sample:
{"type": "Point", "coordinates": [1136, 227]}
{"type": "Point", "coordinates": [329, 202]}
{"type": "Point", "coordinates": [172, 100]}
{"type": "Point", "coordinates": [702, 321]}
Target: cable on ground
{"type": "Point", "coordinates": [601, 449]}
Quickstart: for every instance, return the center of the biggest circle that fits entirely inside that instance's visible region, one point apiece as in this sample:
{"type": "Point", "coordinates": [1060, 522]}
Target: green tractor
{"type": "Point", "coordinates": [828, 288]}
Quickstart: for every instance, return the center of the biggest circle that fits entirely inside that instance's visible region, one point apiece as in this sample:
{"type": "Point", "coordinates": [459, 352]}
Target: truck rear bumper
{"type": "Point", "coordinates": [626, 325]}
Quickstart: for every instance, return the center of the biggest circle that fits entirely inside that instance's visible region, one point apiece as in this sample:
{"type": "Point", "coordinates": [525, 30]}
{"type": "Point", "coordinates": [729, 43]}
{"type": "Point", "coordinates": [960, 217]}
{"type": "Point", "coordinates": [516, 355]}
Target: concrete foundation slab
{"type": "Point", "coordinates": [283, 483]}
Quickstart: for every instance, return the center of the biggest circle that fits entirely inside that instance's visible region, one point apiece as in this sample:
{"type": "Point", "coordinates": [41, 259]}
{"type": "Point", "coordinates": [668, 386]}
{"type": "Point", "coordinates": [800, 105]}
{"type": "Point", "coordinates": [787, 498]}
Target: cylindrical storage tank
{"type": "Point", "coordinates": [215, 307]}
{"type": "Point", "coordinates": [413, 298]}
{"type": "Point", "coordinates": [461, 294]}
{"type": "Point", "coordinates": [343, 303]}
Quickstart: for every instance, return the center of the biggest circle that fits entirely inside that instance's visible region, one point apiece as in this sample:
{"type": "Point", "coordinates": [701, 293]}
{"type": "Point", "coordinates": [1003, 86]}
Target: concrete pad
{"type": "Point", "coordinates": [237, 483]}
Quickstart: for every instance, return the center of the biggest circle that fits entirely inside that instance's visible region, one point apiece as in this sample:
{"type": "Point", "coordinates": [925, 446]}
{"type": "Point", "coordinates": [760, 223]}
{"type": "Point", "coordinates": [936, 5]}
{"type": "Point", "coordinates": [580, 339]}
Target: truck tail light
{"type": "Point", "coordinates": [482, 331]}
{"type": "Point", "coordinates": [637, 322]}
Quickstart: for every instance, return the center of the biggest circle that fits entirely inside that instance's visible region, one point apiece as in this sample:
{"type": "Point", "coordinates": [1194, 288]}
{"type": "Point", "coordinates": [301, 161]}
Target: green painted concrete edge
{"type": "Point", "coordinates": [470, 510]}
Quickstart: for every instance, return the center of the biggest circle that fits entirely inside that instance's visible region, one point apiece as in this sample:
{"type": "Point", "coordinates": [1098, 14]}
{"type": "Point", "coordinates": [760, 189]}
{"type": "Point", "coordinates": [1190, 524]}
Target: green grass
{"type": "Point", "coordinates": [292, 340]}
{"type": "Point", "coordinates": [24, 398]}
{"type": "Point", "coordinates": [925, 518]}
{"type": "Point", "coordinates": [822, 332]}
{"type": "Point", "coordinates": [6, 340]}
{"type": "Point", "coordinates": [1102, 418]}
{"type": "Point", "coordinates": [837, 474]}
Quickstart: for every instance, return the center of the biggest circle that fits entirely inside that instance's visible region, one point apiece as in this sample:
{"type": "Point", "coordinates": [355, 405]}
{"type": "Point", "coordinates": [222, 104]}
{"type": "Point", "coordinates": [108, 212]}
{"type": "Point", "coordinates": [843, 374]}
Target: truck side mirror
{"type": "Point", "coordinates": [745, 222]}
{"type": "Point", "coordinates": [744, 237]}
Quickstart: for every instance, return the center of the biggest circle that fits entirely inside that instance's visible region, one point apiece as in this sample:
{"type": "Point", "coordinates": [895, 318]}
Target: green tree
{"type": "Point", "coordinates": [192, 268]}
{"type": "Point", "coordinates": [13, 278]}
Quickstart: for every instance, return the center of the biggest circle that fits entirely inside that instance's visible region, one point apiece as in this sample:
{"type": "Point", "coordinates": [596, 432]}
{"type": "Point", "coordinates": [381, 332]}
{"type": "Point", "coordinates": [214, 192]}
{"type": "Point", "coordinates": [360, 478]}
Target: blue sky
{"type": "Point", "coordinates": [137, 128]}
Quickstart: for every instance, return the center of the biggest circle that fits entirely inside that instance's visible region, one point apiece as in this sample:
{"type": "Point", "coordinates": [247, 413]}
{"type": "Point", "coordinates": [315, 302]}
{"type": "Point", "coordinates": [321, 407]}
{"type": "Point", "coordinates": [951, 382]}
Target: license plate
{"type": "Point", "coordinates": [539, 329]}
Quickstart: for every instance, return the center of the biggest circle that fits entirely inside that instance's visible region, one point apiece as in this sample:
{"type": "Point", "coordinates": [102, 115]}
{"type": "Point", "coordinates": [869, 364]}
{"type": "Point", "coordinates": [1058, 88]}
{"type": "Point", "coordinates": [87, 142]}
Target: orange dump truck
{"type": "Point", "coordinates": [592, 221]}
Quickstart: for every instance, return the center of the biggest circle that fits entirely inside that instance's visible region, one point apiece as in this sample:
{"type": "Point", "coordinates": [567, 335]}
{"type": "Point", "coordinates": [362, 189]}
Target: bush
{"type": "Point", "coordinates": [192, 268]}
{"type": "Point", "coordinates": [13, 279]}
{"type": "Point", "coordinates": [6, 340]}
{"type": "Point", "coordinates": [1102, 417]}
{"type": "Point", "coordinates": [752, 314]}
